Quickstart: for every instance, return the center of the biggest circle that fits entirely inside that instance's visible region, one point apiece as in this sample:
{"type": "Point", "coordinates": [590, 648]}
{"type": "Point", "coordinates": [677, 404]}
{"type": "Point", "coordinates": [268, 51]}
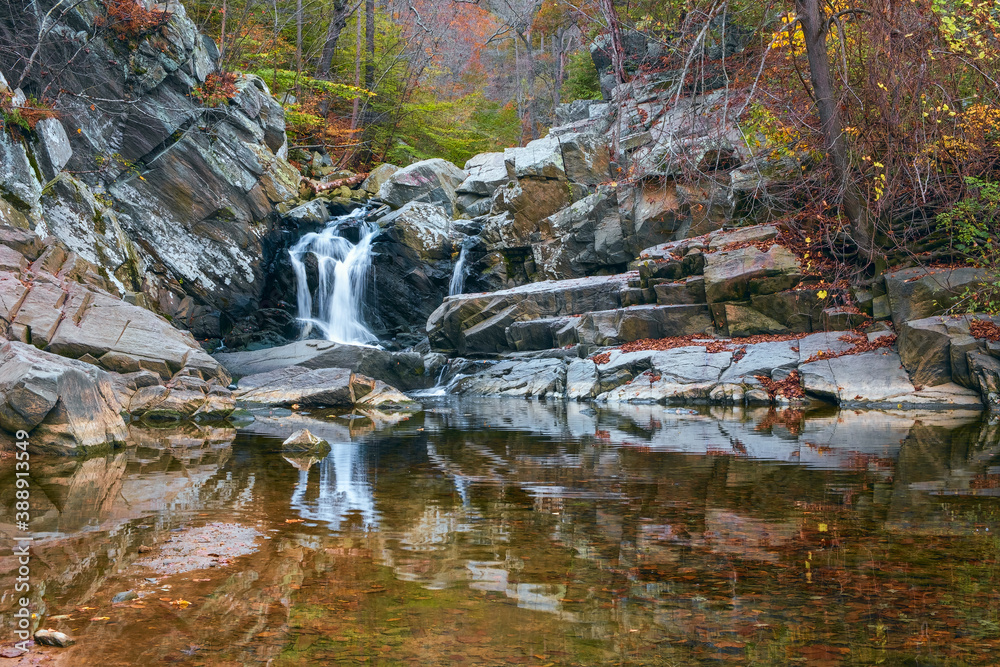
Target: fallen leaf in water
{"type": "Point", "coordinates": [180, 603]}
{"type": "Point", "coordinates": [200, 580]}
{"type": "Point", "coordinates": [61, 617]}
{"type": "Point", "coordinates": [101, 618]}
{"type": "Point", "coordinates": [294, 520]}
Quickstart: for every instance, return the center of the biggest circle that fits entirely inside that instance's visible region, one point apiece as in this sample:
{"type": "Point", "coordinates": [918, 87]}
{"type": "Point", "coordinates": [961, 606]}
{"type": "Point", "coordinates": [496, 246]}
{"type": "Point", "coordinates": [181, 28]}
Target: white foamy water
{"type": "Point", "coordinates": [343, 267]}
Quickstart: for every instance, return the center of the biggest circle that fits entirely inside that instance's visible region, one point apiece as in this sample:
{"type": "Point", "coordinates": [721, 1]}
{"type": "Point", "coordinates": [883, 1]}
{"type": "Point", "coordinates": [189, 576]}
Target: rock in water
{"type": "Point", "coordinates": [53, 638]}
{"type": "Point", "coordinates": [304, 442]}
{"type": "Point", "coordinates": [124, 596]}
{"type": "Point", "coordinates": [303, 450]}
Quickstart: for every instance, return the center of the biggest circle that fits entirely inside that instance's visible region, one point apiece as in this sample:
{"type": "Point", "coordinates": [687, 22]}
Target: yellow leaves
{"type": "Point", "coordinates": [179, 602]}
{"type": "Point", "coordinates": [822, 294]}
{"type": "Point", "coordinates": [822, 528]}
{"type": "Point", "coordinates": [809, 239]}
{"type": "Point", "coordinates": [101, 618]}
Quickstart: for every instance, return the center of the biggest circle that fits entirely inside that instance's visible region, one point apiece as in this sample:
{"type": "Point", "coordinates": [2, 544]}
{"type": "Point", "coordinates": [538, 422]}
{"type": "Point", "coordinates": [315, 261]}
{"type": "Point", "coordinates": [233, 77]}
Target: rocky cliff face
{"type": "Point", "coordinates": [171, 199]}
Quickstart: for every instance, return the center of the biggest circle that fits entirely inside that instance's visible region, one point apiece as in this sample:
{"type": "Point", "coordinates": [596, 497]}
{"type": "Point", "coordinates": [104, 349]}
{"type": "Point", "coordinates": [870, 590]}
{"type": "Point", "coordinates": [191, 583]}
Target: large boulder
{"type": "Point", "coordinates": [586, 157]}
{"type": "Point", "coordinates": [432, 181]}
{"type": "Point", "coordinates": [185, 397]}
{"type": "Point", "coordinates": [624, 325]}
{"type": "Point", "coordinates": [73, 320]}
{"type": "Point", "coordinates": [527, 202]}
{"type": "Point", "coordinates": [479, 322]}
{"type": "Point", "coordinates": [487, 172]}
{"type": "Point", "coordinates": [878, 379]}
{"type": "Point", "coordinates": [582, 239]}
{"type": "Point", "coordinates": [424, 228]}
{"type": "Point", "coordinates": [66, 406]}
{"type": "Point", "coordinates": [526, 378]}
{"type": "Point", "coordinates": [332, 387]}
{"type": "Point", "coordinates": [938, 350]}
{"type": "Point", "coordinates": [735, 275]}
{"type": "Point", "coordinates": [407, 370]}
{"type": "Point", "coordinates": [378, 176]}
{"type": "Point", "coordinates": [918, 293]}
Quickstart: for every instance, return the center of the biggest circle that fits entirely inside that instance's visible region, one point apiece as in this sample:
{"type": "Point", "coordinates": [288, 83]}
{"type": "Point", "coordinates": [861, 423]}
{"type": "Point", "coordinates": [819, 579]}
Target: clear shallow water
{"type": "Point", "coordinates": [513, 532]}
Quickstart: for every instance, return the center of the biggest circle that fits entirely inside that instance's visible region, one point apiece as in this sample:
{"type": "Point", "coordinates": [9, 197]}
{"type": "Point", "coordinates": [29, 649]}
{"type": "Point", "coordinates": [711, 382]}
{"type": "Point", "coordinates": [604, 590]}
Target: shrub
{"type": "Point", "coordinates": [218, 89]}
{"type": "Point", "coordinates": [128, 19]}
{"type": "Point", "coordinates": [24, 118]}
{"type": "Point", "coordinates": [972, 225]}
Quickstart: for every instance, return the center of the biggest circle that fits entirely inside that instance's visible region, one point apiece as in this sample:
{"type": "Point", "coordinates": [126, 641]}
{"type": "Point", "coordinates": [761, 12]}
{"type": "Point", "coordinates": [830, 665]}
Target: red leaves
{"type": "Point", "coordinates": [860, 343]}
{"type": "Point", "coordinates": [129, 19]}
{"type": "Point", "coordinates": [790, 387]}
{"type": "Point", "coordinates": [985, 329]}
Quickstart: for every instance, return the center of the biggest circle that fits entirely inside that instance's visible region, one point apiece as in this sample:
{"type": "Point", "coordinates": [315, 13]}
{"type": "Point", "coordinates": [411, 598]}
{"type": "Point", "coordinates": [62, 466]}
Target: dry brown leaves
{"type": "Point", "coordinates": [736, 346]}
{"type": "Point", "coordinates": [985, 329]}
{"type": "Point", "coordinates": [129, 19]}
{"type": "Point", "coordinates": [859, 343]}
{"type": "Point", "coordinates": [790, 387]}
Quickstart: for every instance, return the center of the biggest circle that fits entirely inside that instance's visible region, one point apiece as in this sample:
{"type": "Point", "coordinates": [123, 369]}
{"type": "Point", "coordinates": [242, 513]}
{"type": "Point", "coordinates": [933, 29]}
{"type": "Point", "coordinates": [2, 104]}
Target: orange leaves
{"type": "Point", "coordinates": [217, 89]}
{"type": "Point", "coordinates": [128, 19]}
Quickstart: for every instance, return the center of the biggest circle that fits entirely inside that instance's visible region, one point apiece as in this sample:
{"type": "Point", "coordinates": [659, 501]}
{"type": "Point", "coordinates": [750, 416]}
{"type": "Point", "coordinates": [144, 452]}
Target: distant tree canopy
{"type": "Point", "coordinates": [899, 101]}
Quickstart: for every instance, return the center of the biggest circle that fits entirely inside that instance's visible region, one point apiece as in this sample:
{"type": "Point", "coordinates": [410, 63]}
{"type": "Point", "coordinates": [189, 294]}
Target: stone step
{"type": "Point", "coordinates": [690, 291]}
{"type": "Point", "coordinates": [624, 325]}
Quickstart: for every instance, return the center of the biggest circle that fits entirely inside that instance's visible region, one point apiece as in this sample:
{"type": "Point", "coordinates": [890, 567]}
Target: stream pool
{"type": "Point", "coordinates": [496, 532]}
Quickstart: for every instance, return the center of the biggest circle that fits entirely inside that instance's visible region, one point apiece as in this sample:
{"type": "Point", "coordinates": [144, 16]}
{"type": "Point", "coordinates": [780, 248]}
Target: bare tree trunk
{"type": "Point", "coordinates": [370, 44]}
{"type": "Point", "coordinates": [557, 61]}
{"type": "Point", "coordinates": [815, 24]}
{"type": "Point", "coordinates": [367, 153]}
{"type": "Point", "coordinates": [338, 21]}
{"type": "Point", "coordinates": [529, 103]}
{"type": "Point", "coordinates": [298, 47]}
{"type": "Point", "coordinates": [357, 72]}
{"type": "Point", "coordinates": [222, 37]}
{"type": "Point", "coordinates": [614, 29]}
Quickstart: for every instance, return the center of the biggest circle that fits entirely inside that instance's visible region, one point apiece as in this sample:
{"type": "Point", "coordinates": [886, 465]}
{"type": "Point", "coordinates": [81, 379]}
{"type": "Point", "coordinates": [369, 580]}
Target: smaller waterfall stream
{"type": "Point", "coordinates": [342, 272]}
{"type": "Point", "coordinates": [457, 283]}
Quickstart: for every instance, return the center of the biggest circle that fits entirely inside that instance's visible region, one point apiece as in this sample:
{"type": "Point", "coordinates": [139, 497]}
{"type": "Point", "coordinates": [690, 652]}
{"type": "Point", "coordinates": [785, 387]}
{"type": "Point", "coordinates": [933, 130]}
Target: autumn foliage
{"type": "Point", "coordinates": [218, 89]}
{"type": "Point", "coordinates": [128, 19]}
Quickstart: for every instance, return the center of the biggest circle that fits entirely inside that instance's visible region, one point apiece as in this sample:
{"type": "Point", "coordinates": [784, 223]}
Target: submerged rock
{"type": "Point", "coordinates": [49, 637]}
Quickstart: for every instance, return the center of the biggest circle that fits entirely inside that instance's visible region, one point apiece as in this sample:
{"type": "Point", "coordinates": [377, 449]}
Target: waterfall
{"type": "Point", "coordinates": [457, 283]}
{"type": "Point", "coordinates": [343, 270]}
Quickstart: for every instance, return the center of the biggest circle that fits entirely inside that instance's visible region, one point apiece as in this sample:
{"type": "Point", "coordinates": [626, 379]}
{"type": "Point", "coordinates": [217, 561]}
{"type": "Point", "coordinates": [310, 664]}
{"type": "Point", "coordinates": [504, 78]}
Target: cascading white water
{"type": "Point", "coordinates": [457, 283]}
{"type": "Point", "coordinates": [343, 270]}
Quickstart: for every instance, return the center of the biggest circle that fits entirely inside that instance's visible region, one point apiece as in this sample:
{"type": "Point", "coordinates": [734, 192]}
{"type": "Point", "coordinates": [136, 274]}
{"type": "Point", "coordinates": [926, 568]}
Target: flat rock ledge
{"type": "Point", "coordinates": [321, 387]}
{"type": "Point", "coordinates": [741, 374]}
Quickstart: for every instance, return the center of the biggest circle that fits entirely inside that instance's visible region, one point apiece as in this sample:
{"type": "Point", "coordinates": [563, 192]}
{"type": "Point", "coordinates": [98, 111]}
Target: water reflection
{"type": "Point", "coordinates": [500, 531]}
{"type": "Point", "coordinates": [342, 494]}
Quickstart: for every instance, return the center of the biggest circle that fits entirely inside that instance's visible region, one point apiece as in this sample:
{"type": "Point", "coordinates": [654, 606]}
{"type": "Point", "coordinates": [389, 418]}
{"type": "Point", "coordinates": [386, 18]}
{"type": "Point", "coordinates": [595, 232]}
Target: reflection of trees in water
{"type": "Point", "coordinates": [612, 520]}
